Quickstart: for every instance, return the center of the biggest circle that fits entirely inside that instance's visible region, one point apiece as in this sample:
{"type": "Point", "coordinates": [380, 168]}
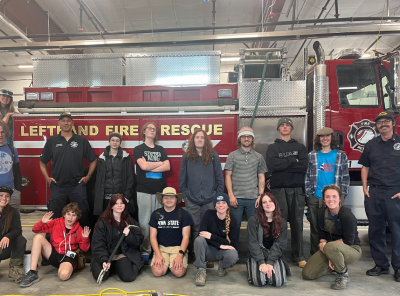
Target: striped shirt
{"type": "Point", "coordinates": [245, 167]}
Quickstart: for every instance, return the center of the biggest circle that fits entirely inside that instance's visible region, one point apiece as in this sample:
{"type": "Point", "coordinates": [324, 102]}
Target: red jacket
{"type": "Point", "coordinates": [59, 239]}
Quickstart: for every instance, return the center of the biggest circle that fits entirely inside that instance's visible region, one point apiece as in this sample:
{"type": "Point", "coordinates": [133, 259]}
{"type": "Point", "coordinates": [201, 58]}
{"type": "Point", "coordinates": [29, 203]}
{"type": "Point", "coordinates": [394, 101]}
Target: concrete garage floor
{"type": "Point", "coordinates": [235, 283]}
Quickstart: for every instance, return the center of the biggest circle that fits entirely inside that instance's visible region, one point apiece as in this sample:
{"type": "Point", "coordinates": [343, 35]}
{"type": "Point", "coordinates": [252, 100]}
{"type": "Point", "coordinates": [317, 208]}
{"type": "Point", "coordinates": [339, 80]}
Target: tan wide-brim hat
{"type": "Point", "coordinates": [169, 191]}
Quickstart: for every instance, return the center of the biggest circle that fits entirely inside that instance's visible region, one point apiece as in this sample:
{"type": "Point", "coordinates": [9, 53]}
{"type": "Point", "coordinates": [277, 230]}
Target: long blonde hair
{"type": "Point", "coordinates": [227, 223]}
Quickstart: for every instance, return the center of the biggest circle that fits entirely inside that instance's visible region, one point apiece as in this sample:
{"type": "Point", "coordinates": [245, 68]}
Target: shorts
{"type": "Point", "coordinates": [56, 259]}
{"type": "Point", "coordinates": [169, 254]}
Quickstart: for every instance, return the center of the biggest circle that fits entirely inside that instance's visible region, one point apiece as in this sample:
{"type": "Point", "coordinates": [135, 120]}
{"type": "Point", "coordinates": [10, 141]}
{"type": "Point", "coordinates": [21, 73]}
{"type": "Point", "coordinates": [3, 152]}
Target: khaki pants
{"type": "Point", "coordinates": [338, 253]}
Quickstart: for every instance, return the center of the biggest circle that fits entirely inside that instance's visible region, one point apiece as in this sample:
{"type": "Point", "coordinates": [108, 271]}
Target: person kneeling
{"type": "Point", "coordinates": [339, 243]}
{"type": "Point", "coordinates": [267, 231]}
{"type": "Point", "coordinates": [113, 223]}
{"type": "Point", "coordinates": [169, 234]}
{"type": "Point", "coordinates": [12, 243]}
{"type": "Point", "coordinates": [217, 239]}
{"type": "Point", "coordinates": [66, 236]}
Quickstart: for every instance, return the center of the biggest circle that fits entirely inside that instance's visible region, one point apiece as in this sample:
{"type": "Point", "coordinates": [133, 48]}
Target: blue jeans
{"type": "Point", "coordinates": [244, 206]}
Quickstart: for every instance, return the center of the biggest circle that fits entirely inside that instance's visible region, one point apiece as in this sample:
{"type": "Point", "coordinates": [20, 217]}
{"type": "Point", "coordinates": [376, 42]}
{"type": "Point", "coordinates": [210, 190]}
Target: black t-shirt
{"type": "Point", "coordinates": [67, 158]}
{"type": "Point", "coordinates": [268, 241]}
{"type": "Point", "coordinates": [149, 182]}
{"type": "Point", "coordinates": [169, 233]}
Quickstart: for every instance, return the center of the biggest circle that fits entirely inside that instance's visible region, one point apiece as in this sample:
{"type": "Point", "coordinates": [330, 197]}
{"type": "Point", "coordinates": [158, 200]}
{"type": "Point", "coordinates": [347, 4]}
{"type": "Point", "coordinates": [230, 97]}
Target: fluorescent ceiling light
{"type": "Point", "coordinates": [233, 59]}
{"type": "Point", "coordinates": [25, 66]}
{"type": "Point", "coordinates": [349, 87]}
{"type": "Point", "coordinates": [367, 55]}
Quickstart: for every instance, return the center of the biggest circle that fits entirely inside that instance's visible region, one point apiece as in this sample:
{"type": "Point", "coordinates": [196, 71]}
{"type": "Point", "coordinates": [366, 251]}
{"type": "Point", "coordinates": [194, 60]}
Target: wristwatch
{"type": "Point", "coordinates": [89, 175]}
{"type": "Point", "coordinates": [181, 252]}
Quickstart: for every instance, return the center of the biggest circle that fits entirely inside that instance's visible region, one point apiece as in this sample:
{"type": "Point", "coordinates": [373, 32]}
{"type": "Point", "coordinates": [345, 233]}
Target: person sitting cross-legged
{"type": "Point", "coordinates": [169, 234]}
{"type": "Point", "coordinates": [66, 236]}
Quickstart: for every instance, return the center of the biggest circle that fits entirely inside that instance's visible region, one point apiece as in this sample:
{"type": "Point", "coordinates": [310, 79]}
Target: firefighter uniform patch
{"type": "Point", "coordinates": [360, 133]}
{"type": "Point", "coordinates": [396, 146]}
{"type": "Point", "coordinates": [74, 144]}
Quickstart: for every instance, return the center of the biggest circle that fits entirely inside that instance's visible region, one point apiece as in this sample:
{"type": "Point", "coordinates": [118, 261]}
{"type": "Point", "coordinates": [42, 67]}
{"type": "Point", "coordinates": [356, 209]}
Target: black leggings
{"type": "Point", "coordinates": [16, 249]}
{"type": "Point", "coordinates": [126, 270]}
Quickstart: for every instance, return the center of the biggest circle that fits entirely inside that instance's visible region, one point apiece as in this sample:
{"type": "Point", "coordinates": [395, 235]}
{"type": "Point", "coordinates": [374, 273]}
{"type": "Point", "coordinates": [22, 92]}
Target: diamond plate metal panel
{"type": "Point", "coordinates": [298, 69]}
{"type": "Point", "coordinates": [278, 98]}
{"type": "Point", "coordinates": [78, 70]}
{"type": "Point", "coordinates": [173, 68]}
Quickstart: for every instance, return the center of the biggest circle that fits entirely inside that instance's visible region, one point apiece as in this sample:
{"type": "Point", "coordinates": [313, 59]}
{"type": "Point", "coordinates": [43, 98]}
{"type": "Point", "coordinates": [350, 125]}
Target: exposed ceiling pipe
{"type": "Point", "coordinates": [14, 28]}
{"type": "Point", "coordinates": [166, 30]}
{"type": "Point", "coordinates": [336, 9]}
{"type": "Point", "coordinates": [80, 19]}
{"type": "Point", "coordinates": [213, 17]}
{"type": "Point", "coordinates": [207, 39]}
{"type": "Point", "coordinates": [293, 13]}
{"type": "Point", "coordinates": [90, 14]}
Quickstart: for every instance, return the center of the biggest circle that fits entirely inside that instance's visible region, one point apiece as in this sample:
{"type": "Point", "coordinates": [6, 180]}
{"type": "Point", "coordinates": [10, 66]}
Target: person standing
{"type": "Point", "coordinates": [200, 177]}
{"type": "Point", "coordinates": [244, 176]}
{"type": "Point", "coordinates": [169, 235]}
{"type": "Point", "coordinates": [326, 166]}
{"type": "Point", "coordinates": [114, 175]}
{"type": "Point", "coordinates": [287, 162]}
{"type": "Point", "coordinates": [151, 161]}
{"type": "Point", "coordinates": [7, 109]}
{"type": "Point", "coordinates": [381, 162]}
{"type": "Point", "coordinates": [67, 182]}
{"type": "Point", "coordinates": [12, 243]}
{"type": "Point", "coordinates": [10, 171]}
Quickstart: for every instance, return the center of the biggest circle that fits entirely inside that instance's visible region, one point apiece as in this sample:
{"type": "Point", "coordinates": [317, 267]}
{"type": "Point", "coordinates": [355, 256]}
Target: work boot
{"type": "Point", "coordinates": [210, 264]}
{"type": "Point", "coordinates": [341, 281]}
{"type": "Point", "coordinates": [222, 272]}
{"type": "Point", "coordinates": [201, 277]}
{"type": "Point", "coordinates": [29, 279]}
{"type": "Point", "coordinates": [301, 263]}
{"type": "Point", "coordinates": [16, 273]}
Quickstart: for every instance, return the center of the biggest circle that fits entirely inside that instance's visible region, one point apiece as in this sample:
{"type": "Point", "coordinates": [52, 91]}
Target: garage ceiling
{"type": "Point", "coordinates": [35, 17]}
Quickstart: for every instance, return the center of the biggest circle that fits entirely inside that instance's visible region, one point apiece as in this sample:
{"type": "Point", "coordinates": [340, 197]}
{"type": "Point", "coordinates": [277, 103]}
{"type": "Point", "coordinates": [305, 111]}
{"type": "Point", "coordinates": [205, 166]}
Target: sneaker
{"type": "Point", "coordinates": [16, 274]}
{"type": "Point", "coordinates": [301, 263]}
{"type": "Point", "coordinates": [222, 272]}
{"type": "Point", "coordinates": [201, 277]}
{"type": "Point", "coordinates": [29, 279]}
{"type": "Point", "coordinates": [341, 281]}
{"type": "Point", "coordinates": [145, 259]}
{"type": "Point", "coordinates": [210, 264]}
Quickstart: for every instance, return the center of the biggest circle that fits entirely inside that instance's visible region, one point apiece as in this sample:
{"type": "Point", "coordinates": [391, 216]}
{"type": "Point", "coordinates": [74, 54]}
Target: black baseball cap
{"type": "Point", "coordinates": [63, 115]}
{"type": "Point", "coordinates": [6, 189]}
{"type": "Point", "coordinates": [384, 114]}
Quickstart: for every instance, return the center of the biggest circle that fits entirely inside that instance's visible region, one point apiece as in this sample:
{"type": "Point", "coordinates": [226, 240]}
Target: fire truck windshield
{"type": "Point", "coordinates": [358, 86]}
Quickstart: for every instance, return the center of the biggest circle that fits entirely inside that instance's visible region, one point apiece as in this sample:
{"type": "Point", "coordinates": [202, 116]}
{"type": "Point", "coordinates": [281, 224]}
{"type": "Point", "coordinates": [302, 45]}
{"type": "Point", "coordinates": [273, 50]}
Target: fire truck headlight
{"type": "Point", "coordinates": [25, 181]}
{"type": "Point", "coordinates": [46, 96]}
{"type": "Point", "coordinates": [225, 93]}
{"type": "Point", "coordinates": [32, 96]}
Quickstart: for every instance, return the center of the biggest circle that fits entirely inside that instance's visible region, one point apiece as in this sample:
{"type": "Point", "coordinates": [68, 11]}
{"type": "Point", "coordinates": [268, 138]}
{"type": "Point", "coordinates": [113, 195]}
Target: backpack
{"type": "Point", "coordinates": [180, 219]}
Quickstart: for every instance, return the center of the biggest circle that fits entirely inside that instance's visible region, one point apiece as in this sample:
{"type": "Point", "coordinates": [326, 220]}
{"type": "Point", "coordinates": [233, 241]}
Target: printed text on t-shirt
{"type": "Point", "coordinates": [152, 156]}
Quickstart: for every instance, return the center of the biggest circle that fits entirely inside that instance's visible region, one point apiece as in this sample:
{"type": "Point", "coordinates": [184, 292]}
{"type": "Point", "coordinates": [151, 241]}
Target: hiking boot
{"type": "Point", "coordinates": [341, 281]}
{"type": "Point", "coordinates": [201, 277]}
{"type": "Point", "coordinates": [210, 264]}
{"type": "Point", "coordinates": [16, 273]}
{"type": "Point", "coordinates": [29, 279]}
{"type": "Point", "coordinates": [222, 272]}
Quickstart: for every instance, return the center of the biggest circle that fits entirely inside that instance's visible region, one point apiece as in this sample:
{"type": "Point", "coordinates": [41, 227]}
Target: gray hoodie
{"type": "Point", "coordinates": [198, 182]}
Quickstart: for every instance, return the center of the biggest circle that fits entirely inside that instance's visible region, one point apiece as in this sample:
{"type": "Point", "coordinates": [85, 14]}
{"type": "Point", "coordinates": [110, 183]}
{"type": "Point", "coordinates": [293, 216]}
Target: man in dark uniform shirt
{"type": "Point", "coordinates": [380, 171]}
{"type": "Point", "coordinates": [67, 182]}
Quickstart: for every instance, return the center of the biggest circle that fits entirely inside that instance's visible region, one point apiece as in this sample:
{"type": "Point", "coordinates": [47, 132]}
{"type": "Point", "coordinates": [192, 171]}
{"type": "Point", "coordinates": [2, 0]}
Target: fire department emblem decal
{"type": "Point", "coordinates": [74, 144]}
{"type": "Point", "coordinates": [396, 146]}
{"type": "Point", "coordinates": [360, 133]}
{"type": "Point", "coordinates": [185, 145]}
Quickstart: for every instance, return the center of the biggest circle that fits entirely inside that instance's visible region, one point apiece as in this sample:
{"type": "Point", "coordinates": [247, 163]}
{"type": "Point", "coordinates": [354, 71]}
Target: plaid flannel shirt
{"type": "Point", "coordinates": [342, 178]}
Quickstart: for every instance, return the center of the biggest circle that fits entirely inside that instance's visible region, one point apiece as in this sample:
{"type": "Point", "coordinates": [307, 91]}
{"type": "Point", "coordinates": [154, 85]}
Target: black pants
{"type": "Point", "coordinates": [292, 202]}
{"type": "Point", "coordinates": [381, 209]}
{"type": "Point", "coordinates": [16, 249]}
{"type": "Point", "coordinates": [126, 270]}
{"type": "Point", "coordinates": [61, 196]}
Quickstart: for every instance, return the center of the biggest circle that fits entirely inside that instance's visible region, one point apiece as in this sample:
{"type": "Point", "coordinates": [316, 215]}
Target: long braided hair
{"type": "Point", "coordinates": [227, 223]}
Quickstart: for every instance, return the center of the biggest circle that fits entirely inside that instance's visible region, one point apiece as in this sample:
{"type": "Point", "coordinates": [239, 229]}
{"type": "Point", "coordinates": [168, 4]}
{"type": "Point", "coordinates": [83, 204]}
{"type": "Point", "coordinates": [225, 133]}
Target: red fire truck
{"type": "Point", "coordinates": [347, 97]}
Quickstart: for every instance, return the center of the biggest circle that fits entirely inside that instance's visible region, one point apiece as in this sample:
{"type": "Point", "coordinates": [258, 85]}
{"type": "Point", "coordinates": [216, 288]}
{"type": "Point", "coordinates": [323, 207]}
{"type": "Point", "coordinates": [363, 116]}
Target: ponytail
{"type": "Point", "coordinates": [227, 223]}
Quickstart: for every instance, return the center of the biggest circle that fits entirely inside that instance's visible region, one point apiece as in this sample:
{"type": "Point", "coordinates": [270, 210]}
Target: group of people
{"type": "Point", "coordinates": [210, 225]}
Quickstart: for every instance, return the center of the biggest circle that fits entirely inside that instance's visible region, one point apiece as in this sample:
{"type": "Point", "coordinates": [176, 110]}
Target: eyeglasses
{"type": "Point", "coordinates": [153, 129]}
{"type": "Point", "coordinates": [247, 137]}
{"type": "Point", "coordinates": [380, 122]}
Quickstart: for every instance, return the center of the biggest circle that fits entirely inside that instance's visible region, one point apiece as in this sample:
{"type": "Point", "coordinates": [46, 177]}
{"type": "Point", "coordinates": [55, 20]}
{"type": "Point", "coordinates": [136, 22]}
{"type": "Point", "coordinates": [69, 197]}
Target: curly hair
{"type": "Point", "coordinates": [144, 127]}
{"type": "Point", "coordinates": [207, 153]}
{"type": "Point", "coordinates": [318, 146]}
{"type": "Point", "coordinates": [227, 223]}
{"type": "Point", "coordinates": [108, 216]}
{"type": "Point", "coordinates": [276, 218]}
{"type": "Point", "coordinates": [333, 187]}
{"type": "Point", "coordinates": [74, 208]}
